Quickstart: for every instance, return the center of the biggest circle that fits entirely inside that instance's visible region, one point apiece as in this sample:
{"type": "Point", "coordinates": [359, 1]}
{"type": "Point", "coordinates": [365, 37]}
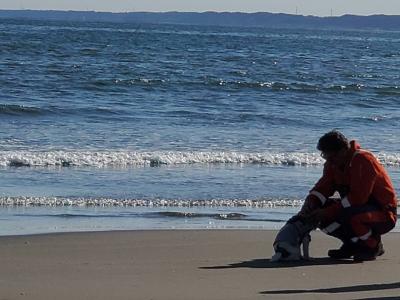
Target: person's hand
{"type": "Point", "coordinates": [304, 212]}
{"type": "Point", "coordinates": [307, 208]}
{"type": "Point", "coordinates": [318, 215]}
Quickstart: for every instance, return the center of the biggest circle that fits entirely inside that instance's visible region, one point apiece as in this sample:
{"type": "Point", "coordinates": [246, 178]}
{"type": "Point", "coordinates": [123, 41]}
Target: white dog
{"type": "Point", "coordinates": [295, 233]}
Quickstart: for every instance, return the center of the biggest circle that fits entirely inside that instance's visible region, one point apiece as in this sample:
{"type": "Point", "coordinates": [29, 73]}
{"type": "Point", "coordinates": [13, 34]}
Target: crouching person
{"type": "Point", "coordinates": [367, 207]}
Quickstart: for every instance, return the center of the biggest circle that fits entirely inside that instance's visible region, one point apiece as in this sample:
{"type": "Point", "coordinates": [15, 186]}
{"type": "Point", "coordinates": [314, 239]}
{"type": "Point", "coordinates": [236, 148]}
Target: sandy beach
{"type": "Point", "coordinates": [186, 265]}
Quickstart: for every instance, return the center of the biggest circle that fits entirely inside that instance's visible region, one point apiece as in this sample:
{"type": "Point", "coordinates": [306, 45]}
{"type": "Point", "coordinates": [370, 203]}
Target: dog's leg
{"type": "Point", "coordinates": [276, 257]}
{"type": "Point", "coordinates": [306, 245]}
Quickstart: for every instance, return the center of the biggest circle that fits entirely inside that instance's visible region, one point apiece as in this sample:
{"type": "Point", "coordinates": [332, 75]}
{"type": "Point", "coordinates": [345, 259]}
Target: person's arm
{"type": "Point", "coordinates": [320, 193]}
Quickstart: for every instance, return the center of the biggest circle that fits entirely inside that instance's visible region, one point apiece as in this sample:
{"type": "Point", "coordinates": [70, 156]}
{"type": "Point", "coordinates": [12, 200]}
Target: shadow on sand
{"type": "Point", "coordinates": [323, 261]}
{"type": "Point", "coordinates": [380, 298]}
{"type": "Point", "coordinates": [344, 289]}
{"type": "Point", "coordinates": [267, 264]}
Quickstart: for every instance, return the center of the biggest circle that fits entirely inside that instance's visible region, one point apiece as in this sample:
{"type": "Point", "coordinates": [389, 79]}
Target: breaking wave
{"type": "Point", "coordinates": [127, 159]}
{"type": "Point", "coordinates": [101, 159]}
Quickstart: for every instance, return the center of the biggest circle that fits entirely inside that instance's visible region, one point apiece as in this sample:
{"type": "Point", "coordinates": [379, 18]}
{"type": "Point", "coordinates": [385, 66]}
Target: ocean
{"type": "Point", "coordinates": [129, 126]}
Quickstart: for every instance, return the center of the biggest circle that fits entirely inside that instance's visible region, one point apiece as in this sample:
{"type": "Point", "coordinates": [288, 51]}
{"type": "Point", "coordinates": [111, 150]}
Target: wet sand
{"type": "Point", "coordinates": [186, 265]}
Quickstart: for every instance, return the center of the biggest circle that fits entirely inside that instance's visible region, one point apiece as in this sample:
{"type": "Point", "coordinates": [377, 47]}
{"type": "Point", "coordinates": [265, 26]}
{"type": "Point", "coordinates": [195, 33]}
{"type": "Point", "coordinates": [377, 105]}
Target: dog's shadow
{"type": "Point", "coordinates": [268, 264]}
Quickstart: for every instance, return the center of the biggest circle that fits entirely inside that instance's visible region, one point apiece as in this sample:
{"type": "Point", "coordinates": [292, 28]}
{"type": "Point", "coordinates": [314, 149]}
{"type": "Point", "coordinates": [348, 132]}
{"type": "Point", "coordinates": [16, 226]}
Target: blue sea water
{"type": "Point", "coordinates": [130, 126]}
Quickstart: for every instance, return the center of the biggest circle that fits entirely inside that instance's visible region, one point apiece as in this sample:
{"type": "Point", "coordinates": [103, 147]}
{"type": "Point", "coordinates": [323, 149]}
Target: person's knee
{"type": "Point", "coordinates": [357, 221]}
{"type": "Point", "coordinates": [337, 230]}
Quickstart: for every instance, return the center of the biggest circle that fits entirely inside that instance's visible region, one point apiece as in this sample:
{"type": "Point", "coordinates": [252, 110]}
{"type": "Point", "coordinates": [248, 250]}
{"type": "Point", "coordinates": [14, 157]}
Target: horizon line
{"type": "Point", "coordinates": [198, 12]}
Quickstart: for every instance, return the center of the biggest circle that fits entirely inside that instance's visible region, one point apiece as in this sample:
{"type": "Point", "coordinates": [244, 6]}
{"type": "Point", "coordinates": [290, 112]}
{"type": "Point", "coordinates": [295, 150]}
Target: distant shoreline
{"type": "Point", "coordinates": [234, 19]}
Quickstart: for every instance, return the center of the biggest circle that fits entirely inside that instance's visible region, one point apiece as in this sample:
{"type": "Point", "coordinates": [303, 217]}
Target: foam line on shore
{"type": "Point", "coordinates": [110, 202]}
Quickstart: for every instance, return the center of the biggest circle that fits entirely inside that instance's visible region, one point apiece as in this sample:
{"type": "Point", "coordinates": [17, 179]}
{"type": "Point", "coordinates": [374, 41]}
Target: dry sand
{"type": "Point", "coordinates": [186, 265]}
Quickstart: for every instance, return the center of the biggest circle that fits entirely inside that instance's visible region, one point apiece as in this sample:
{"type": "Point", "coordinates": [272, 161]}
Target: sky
{"type": "Point", "coordinates": [303, 7]}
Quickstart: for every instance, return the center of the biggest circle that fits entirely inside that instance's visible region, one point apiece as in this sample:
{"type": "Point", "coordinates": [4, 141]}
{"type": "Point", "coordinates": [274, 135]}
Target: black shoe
{"type": "Point", "coordinates": [369, 253]}
{"type": "Point", "coordinates": [347, 250]}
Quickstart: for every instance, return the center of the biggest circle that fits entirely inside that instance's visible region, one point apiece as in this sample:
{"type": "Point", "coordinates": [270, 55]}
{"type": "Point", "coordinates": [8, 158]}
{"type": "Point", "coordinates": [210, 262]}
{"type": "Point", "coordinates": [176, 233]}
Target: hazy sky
{"type": "Point", "coordinates": [305, 7]}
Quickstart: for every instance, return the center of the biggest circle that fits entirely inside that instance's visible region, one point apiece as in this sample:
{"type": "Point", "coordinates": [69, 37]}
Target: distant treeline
{"type": "Point", "coordinates": [261, 19]}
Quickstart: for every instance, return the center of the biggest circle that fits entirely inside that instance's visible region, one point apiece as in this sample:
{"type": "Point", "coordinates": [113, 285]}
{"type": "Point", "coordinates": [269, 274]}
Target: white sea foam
{"type": "Point", "coordinates": [110, 202]}
{"type": "Point", "coordinates": [389, 159]}
{"type": "Point", "coordinates": [103, 159]}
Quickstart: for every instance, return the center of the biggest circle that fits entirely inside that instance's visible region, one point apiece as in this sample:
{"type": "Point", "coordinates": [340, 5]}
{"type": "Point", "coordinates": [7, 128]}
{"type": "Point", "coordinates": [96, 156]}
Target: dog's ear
{"type": "Point", "coordinates": [305, 220]}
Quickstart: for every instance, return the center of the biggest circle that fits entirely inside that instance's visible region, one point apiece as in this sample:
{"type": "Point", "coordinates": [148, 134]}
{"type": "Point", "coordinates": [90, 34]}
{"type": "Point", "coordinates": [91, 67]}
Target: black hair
{"type": "Point", "coordinates": [333, 141]}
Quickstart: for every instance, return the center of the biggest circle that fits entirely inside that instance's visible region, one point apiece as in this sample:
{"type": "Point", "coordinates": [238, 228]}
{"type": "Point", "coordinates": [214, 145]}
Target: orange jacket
{"type": "Point", "coordinates": [363, 180]}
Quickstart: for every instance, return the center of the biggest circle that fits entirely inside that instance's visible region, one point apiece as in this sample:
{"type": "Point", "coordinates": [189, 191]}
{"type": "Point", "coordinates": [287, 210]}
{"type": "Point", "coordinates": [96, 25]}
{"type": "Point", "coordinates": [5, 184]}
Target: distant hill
{"type": "Point", "coordinates": [261, 19]}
